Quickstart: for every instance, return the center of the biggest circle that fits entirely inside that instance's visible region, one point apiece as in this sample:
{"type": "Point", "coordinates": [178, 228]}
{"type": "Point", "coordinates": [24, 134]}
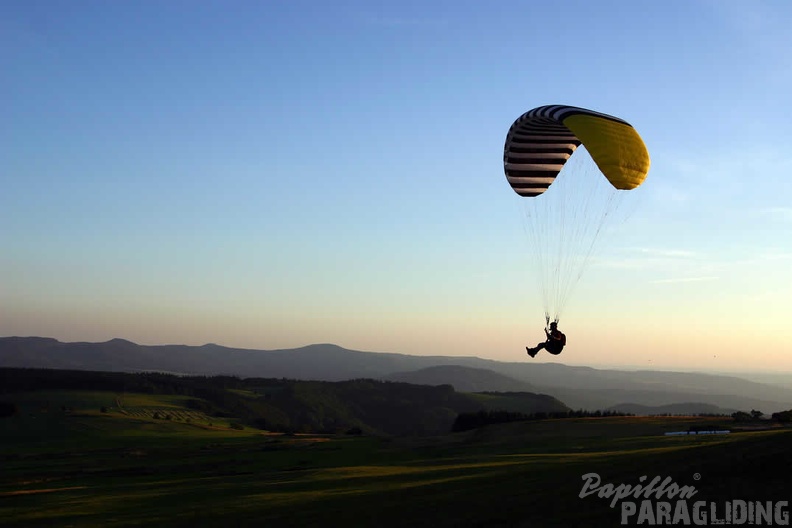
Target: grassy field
{"type": "Point", "coordinates": [104, 459]}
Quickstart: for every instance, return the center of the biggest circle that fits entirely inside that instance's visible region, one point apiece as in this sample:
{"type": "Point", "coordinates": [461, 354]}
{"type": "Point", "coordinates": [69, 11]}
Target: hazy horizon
{"type": "Point", "coordinates": [271, 175]}
{"type": "Point", "coordinates": [780, 377]}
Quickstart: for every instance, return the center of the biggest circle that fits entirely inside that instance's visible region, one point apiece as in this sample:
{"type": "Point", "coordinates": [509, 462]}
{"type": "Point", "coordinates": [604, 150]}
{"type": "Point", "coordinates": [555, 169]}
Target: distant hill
{"type": "Point", "coordinates": [463, 379]}
{"type": "Point", "coordinates": [370, 406]}
{"type": "Point", "coordinates": [577, 387]}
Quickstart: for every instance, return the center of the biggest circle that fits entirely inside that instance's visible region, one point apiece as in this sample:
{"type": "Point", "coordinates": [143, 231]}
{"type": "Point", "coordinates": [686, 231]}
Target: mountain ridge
{"type": "Point", "coordinates": [463, 379]}
{"type": "Point", "coordinates": [577, 386]}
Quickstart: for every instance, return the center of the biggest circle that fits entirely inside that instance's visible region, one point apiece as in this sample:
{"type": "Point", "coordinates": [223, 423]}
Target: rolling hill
{"type": "Point", "coordinates": [577, 387]}
{"type": "Point", "coordinates": [275, 404]}
{"type": "Point", "coordinates": [463, 379]}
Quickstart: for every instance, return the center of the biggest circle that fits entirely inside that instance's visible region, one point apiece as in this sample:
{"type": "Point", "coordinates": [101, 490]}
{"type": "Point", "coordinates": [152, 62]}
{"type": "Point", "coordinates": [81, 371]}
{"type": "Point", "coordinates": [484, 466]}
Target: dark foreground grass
{"type": "Point", "coordinates": [129, 472]}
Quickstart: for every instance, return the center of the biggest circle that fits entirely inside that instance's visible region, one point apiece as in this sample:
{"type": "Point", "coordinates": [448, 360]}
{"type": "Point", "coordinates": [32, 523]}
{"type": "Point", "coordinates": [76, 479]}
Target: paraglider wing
{"type": "Point", "coordinates": [564, 225]}
{"type": "Point", "coordinates": [541, 141]}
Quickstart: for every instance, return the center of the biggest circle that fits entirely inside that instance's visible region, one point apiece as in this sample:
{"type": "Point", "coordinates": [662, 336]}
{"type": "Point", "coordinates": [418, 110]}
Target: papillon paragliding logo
{"type": "Point", "coordinates": [566, 213]}
{"type": "Point", "coordinates": [660, 501]}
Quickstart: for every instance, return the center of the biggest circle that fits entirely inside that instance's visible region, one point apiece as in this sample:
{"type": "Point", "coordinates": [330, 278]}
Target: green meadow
{"type": "Point", "coordinates": [93, 458]}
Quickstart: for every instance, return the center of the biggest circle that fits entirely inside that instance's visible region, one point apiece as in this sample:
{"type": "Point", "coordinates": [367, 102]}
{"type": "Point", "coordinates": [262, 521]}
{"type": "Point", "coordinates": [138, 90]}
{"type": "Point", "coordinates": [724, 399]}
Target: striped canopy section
{"type": "Point", "coordinates": [541, 140]}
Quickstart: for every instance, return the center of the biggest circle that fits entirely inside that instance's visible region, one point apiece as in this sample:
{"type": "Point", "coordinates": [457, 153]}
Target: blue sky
{"type": "Point", "coordinates": [274, 174]}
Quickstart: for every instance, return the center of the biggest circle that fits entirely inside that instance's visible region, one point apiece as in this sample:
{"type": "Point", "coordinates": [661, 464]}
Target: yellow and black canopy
{"type": "Point", "coordinates": [541, 140]}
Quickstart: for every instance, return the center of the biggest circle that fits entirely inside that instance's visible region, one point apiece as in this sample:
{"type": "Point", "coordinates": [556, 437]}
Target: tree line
{"type": "Point", "coordinates": [474, 420]}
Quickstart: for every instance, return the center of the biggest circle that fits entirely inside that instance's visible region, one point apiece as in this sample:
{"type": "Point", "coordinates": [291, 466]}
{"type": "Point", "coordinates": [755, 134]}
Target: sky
{"type": "Point", "coordinates": [272, 174]}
